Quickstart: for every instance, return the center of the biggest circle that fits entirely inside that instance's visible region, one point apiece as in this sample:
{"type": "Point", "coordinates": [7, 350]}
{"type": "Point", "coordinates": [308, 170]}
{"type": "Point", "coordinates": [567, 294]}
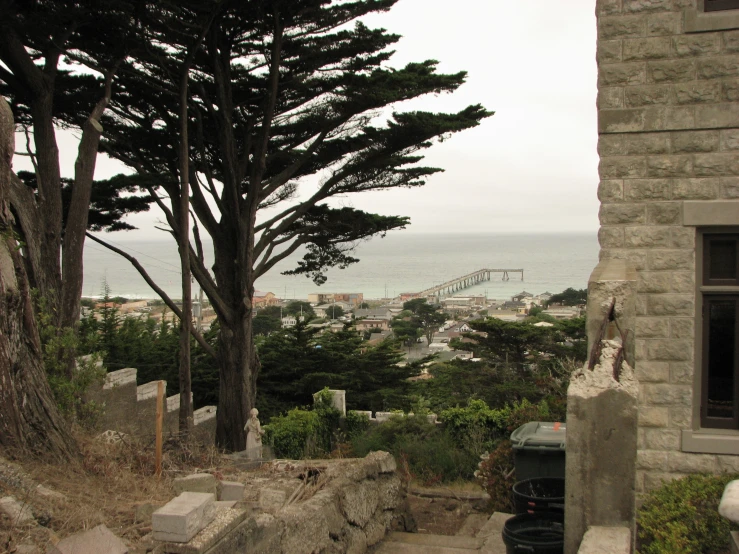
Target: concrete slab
{"type": "Point", "coordinates": [197, 482]}
{"type": "Point", "coordinates": [18, 512]}
{"type": "Point", "coordinates": [491, 533]}
{"type": "Point", "coordinates": [180, 519]}
{"type": "Point", "coordinates": [231, 490]}
{"type": "Point", "coordinates": [494, 524]}
{"type": "Point", "coordinates": [473, 524]}
{"type": "Point", "coordinates": [606, 540]}
{"type": "Point", "coordinates": [208, 539]}
{"type": "Point", "coordinates": [96, 540]}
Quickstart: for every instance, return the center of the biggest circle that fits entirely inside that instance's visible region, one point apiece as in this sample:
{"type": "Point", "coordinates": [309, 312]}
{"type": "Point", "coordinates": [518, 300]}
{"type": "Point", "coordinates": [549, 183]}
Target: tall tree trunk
{"type": "Point", "coordinates": [238, 382]}
{"type": "Point", "coordinates": [29, 419]}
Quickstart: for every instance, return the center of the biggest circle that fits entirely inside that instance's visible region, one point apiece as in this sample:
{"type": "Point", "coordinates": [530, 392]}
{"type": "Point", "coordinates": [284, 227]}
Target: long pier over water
{"type": "Point", "coordinates": [471, 279]}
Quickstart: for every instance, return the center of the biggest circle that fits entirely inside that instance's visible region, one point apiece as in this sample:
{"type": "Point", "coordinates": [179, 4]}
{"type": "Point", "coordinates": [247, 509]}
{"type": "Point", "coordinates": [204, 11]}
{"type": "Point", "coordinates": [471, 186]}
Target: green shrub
{"type": "Point", "coordinates": [476, 427]}
{"type": "Point", "coordinates": [293, 435]}
{"type": "Point", "coordinates": [305, 433]}
{"type": "Point", "coordinates": [356, 424]}
{"type": "Point", "coordinates": [682, 516]}
{"type": "Point", "coordinates": [431, 455]}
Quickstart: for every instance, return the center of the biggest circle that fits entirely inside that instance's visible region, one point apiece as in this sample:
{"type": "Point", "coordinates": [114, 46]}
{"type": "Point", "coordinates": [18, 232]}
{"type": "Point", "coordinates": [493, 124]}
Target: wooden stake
{"type": "Point", "coordinates": [160, 416]}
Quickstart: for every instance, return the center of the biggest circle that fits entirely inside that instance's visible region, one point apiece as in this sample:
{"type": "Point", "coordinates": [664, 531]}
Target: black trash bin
{"type": "Point", "coordinates": [539, 533]}
{"type": "Point", "coordinates": [539, 450]}
{"type": "Point", "coordinates": [541, 494]}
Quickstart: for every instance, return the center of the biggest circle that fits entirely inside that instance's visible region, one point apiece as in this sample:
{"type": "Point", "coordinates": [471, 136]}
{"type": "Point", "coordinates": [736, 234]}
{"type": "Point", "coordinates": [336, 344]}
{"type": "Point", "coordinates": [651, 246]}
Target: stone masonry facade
{"type": "Point", "coordinates": [668, 123]}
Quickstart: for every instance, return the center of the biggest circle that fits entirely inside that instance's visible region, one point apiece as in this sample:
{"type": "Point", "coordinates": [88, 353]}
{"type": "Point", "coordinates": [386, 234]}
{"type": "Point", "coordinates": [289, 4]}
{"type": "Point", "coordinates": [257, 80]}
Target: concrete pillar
{"type": "Point", "coordinates": [612, 278]}
{"type": "Point", "coordinates": [602, 415]}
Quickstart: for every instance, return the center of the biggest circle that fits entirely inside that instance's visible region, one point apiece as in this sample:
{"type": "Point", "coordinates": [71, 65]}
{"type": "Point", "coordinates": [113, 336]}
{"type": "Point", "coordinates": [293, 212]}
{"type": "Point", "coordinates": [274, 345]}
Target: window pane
{"type": "Point", "coordinates": [722, 259]}
{"type": "Point", "coordinates": [720, 5]}
{"type": "Point", "coordinates": [721, 351]}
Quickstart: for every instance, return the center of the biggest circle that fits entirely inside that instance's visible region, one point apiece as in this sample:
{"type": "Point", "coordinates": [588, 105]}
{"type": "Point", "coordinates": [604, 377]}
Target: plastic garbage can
{"type": "Point", "coordinates": [539, 450]}
{"type": "Point", "coordinates": [539, 533]}
{"type": "Point", "coordinates": [541, 494]}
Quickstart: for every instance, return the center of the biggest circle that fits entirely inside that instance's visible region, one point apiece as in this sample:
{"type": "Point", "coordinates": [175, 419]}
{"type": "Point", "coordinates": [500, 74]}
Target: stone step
{"type": "Point", "coordinates": [411, 543]}
{"type": "Point", "coordinates": [491, 534]}
{"type": "Point", "coordinates": [394, 547]}
{"type": "Point", "coordinates": [472, 525]}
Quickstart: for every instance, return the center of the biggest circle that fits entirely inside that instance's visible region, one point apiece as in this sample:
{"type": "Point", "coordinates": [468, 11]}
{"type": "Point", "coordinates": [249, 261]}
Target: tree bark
{"type": "Point", "coordinates": [29, 420]}
{"type": "Point", "coordinates": [238, 382]}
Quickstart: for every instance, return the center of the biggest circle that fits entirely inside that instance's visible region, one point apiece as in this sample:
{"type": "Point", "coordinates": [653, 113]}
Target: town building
{"type": "Point", "coordinates": [354, 299]}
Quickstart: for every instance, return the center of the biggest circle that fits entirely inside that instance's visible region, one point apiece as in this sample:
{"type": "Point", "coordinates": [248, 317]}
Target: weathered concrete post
{"type": "Point", "coordinates": [602, 416]}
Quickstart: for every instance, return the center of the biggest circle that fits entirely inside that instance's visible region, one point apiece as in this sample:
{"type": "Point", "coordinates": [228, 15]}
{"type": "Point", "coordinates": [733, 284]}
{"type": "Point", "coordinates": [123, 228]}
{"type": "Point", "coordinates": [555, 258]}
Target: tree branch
{"type": "Point", "coordinates": [163, 295]}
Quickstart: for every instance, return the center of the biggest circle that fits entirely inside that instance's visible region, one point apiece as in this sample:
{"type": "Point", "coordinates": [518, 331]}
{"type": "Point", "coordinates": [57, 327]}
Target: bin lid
{"type": "Point", "coordinates": [540, 434]}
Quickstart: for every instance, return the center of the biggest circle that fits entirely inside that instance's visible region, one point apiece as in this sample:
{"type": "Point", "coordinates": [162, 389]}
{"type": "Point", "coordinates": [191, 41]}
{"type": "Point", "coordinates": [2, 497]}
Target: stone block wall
{"type": "Point", "coordinates": [668, 122]}
{"type": "Point", "coordinates": [128, 408]}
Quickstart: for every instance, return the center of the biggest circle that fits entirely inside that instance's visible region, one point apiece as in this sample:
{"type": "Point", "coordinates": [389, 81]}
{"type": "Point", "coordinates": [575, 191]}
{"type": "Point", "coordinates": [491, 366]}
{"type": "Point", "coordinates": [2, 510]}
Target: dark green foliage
{"type": "Point", "coordinates": [297, 362]}
{"type": "Point", "coordinates": [299, 308]}
{"type": "Point", "coordinates": [265, 324]}
{"type": "Point", "coordinates": [108, 204]}
{"type": "Point", "coordinates": [431, 454]}
{"type": "Point", "coordinates": [569, 297]}
{"type": "Point", "coordinates": [424, 320]}
{"type": "Point", "coordinates": [682, 516]}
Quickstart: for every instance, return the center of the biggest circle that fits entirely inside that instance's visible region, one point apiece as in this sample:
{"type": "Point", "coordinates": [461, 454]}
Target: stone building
{"type": "Point", "coordinates": [668, 107]}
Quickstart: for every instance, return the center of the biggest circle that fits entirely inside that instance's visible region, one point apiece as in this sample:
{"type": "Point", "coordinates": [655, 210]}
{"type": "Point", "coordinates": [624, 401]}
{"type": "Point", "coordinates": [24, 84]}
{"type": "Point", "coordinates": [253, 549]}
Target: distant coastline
{"type": "Point", "coordinates": [401, 262]}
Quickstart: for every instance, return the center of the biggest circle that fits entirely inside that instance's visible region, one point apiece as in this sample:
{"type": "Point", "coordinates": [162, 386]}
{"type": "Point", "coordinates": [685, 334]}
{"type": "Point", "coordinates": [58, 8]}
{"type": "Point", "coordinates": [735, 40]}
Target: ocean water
{"type": "Point", "coordinates": [400, 262]}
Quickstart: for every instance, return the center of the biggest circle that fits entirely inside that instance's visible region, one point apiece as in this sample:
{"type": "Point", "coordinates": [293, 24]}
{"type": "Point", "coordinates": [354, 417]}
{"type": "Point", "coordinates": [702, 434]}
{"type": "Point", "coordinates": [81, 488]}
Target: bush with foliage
{"type": "Point", "coordinates": [496, 475]}
{"type": "Point", "coordinates": [304, 433]}
{"type": "Point", "coordinates": [431, 454]}
{"type": "Point", "coordinates": [682, 516]}
{"type": "Point", "coordinates": [69, 378]}
{"type": "Point", "coordinates": [476, 427]}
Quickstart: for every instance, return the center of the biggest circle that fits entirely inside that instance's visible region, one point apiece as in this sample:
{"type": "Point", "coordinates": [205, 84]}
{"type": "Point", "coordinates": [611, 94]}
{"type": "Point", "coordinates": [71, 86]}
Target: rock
{"type": "Point", "coordinates": [95, 541]}
{"type": "Point", "coordinates": [231, 490]}
{"type": "Point", "coordinates": [18, 512]}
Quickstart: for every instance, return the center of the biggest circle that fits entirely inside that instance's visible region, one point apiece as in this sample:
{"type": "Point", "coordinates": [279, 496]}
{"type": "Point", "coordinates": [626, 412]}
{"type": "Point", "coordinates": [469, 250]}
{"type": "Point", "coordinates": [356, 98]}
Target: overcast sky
{"type": "Point", "coordinates": [533, 165]}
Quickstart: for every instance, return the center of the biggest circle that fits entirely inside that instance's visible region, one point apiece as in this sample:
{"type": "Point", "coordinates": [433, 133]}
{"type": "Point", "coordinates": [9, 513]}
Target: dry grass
{"type": "Point", "coordinates": [105, 487]}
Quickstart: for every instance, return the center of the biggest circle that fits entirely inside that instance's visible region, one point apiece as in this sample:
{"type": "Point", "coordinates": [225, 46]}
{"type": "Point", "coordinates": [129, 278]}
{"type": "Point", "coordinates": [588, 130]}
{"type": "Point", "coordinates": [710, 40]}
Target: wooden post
{"type": "Point", "coordinates": [160, 416]}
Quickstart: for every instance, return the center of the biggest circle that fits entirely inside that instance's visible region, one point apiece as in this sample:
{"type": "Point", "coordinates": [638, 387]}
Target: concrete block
{"type": "Point", "coordinates": [95, 541]}
{"type": "Point", "coordinates": [197, 482]}
{"type": "Point", "coordinates": [231, 490]}
{"type": "Point", "coordinates": [17, 512]}
{"type": "Point", "coordinates": [606, 540]}
{"type": "Point", "coordinates": [183, 517]}
{"type": "Point", "coordinates": [729, 505]}
{"type": "Point", "coordinates": [119, 378]}
{"type": "Point", "coordinates": [223, 535]}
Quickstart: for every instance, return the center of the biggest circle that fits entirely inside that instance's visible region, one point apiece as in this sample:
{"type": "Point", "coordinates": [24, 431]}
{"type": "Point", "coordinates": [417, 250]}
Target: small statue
{"type": "Point", "coordinates": [253, 436]}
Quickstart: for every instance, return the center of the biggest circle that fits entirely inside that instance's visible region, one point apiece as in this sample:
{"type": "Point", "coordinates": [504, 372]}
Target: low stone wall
{"type": "Point", "coordinates": [131, 409]}
{"type": "Point", "coordinates": [314, 506]}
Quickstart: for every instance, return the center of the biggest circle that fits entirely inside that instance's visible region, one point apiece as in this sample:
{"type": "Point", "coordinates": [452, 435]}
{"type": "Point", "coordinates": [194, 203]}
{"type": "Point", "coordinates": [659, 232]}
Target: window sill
{"type": "Point", "coordinates": [696, 21]}
{"type": "Point", "coordinates": [711, 441]}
